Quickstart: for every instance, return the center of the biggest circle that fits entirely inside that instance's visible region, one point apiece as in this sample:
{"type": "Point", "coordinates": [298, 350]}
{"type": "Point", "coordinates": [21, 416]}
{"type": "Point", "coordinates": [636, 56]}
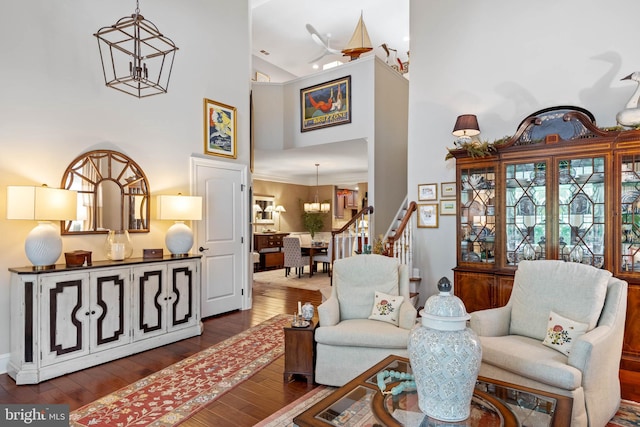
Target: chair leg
{"type": "Point", "coordinates": [287, 270]}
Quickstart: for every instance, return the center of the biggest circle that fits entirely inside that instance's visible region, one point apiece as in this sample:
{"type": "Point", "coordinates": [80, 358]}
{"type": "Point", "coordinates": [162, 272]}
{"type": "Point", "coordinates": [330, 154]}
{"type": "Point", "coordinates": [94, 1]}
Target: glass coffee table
{"type": "Point", "coordinates": [495, 403]}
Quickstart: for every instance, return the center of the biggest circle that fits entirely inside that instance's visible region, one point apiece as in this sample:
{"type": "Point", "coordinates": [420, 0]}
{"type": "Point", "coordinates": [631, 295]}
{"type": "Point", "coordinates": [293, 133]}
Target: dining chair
{"type": "Point", "coordinates": [293, 256]}
{"type": "Point", "coordinates": [325, 258]}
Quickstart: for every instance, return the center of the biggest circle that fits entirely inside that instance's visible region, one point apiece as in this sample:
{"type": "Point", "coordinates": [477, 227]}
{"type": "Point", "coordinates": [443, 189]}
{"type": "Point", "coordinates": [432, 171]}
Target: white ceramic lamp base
{"type": "Point", "coordinates": [179, 239]}
{"type": "Point", "coordinates": [43, 245]}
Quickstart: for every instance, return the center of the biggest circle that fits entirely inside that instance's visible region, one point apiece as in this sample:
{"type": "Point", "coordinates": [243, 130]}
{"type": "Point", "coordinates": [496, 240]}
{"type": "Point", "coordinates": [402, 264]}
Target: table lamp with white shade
{"type": "Point", "coordinates": [179, 238]}
{"type": "Point", "coordinates": [43, 245]}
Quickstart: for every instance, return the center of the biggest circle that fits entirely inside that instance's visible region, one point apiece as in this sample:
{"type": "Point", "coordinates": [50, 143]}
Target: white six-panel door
{"type": "Point", "coordinates": [220, 236]}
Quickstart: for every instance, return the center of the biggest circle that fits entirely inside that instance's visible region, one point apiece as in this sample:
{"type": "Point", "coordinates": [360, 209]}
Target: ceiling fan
{"type": "Point", "coordinates": [322, 41]}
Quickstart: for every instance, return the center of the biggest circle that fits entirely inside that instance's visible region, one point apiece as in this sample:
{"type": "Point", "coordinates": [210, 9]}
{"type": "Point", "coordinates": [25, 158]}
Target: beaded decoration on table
{"type": "Point", "coordinates": [408, 382]}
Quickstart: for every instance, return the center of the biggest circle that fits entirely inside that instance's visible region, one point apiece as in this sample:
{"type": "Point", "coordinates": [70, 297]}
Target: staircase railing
{"type": "Point", "coordinates": [400, 243]}
{"type": "Point", "coordinates": [353, 237]}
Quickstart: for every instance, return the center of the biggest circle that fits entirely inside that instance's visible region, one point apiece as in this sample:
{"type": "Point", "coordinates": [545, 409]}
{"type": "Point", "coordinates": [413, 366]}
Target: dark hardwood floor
{"type": "Point", "coordinates": [250, 402]}
{"type": "Point", "coordinates": [245, 405]}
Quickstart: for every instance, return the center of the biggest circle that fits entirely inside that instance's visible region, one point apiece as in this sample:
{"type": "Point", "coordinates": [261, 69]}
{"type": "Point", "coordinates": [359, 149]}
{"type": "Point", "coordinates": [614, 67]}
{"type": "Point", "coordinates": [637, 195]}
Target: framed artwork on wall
{"type": "Point", "coordinates": [326, 104]}
{"type": "Point", "coordinates": [427, 192]}
{"type": "Point", "coordinates": [447, 207]}
{"type": "Point", "coordinates": [428, 215]}
{"type": "Point", "coordinates": [261, 77]}
{"type": "Point", "coordinates": [220, 129]}
{"type": "Point", "coordinates": [448, 190]}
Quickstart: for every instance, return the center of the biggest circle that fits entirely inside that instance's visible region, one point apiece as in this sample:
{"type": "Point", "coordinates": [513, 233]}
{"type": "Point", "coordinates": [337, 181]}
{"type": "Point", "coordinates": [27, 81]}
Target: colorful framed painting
{"type": "Point", "coordinates": [220, 129]}
{"type": "Point", "coordinates": [427, 192]}
{"type": "Point", "coordinates": [326, 104]}
{"type": "Point", "coordinates": [448, 190]}
{"type": "Point", "coordinates": [447, 207]}
{"type": "Point", "coordinates": [428, 215]}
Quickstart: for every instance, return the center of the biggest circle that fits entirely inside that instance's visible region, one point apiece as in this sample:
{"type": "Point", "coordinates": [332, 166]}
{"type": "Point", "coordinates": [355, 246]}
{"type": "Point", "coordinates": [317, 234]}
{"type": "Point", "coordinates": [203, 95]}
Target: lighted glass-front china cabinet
{"type": "Point", "coordinates": [560, 188]}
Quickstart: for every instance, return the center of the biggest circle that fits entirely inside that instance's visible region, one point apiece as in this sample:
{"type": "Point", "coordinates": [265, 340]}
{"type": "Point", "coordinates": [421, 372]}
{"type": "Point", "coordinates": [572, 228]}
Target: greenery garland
{"type": "Point", "coordinates": [478, 148]}
{"type": "Point", "coordinates": [485, 148]}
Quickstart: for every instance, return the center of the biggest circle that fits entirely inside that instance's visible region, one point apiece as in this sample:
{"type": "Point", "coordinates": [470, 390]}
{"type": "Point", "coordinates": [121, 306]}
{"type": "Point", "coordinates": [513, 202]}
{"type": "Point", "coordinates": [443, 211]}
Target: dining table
{"type": "Point", "coordinates": [311, 249]}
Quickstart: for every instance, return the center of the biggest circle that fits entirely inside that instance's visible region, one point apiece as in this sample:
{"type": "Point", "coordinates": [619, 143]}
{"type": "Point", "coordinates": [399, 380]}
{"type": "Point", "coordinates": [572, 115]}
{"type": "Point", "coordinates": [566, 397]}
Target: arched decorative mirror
{"type": "Point", "coordinates": [113, 193]}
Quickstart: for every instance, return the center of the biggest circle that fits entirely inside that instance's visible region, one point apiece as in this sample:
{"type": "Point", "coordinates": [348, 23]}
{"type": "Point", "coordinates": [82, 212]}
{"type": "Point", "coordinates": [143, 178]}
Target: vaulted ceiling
{"type": "Point", "coordinates": [282, 35]}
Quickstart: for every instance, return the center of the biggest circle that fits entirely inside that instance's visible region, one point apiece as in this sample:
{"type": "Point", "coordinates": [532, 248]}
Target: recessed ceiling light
{"type": "Point", "coordinates": [315, 66]}
{"type": "Point", "coordinates": [264, 52]}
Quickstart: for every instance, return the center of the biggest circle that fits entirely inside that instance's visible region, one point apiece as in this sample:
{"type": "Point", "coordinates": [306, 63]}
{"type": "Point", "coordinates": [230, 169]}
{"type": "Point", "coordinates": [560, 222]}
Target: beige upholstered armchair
{"type": "Point", "coordinates": [356, 329]}
{"type": "Point", "coordinates": [561, 332]}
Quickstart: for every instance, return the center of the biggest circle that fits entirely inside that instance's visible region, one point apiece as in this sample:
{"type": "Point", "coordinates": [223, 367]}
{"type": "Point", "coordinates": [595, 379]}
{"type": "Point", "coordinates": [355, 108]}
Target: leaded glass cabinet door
{"type": "Point", "coordinates": [525, 212]}
{"type": "Point", "coordinates": [630, 212]}
{"type": "Point", "coordinates": [478, 215]}
{"type": "Point", "coordinates": [581, 207]}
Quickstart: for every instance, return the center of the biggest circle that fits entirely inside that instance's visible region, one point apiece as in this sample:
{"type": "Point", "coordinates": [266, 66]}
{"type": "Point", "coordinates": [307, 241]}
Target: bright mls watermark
{"type": "Point", "coordinates": [34, 415]}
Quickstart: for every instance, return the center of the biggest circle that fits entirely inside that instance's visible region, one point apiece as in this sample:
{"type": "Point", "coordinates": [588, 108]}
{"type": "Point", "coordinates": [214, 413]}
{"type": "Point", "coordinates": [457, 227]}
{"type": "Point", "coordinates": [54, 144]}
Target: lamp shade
{"type": "Point", "coordinates": [41, 203]}
{"type": "Point", "coordinates": [180, 208]}
{"type": "Point", "coordinates": [466, 125]}
{"type": "Point", "coordinates": [280, 209]}
{"type": "Point", "coordinates": [43, 244]}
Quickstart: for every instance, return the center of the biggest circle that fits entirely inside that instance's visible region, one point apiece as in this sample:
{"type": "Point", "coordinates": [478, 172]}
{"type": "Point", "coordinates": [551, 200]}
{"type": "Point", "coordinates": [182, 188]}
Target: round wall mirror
{"type": "Point", "coordinates": [113, 194]}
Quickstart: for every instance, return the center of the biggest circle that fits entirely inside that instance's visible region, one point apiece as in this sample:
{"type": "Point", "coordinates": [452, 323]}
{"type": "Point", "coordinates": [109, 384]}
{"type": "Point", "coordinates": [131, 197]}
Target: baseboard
{"type": "Point", "coordinates": [4, 362]}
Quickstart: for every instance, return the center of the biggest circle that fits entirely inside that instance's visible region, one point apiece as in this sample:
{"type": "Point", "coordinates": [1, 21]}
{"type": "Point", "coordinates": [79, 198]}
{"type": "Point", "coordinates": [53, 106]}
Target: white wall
{"type": "Point", "coordinates": [503, 60]}
{"type": "Point", "coordinates": [362, 101]}
{"type": "Point", "coordinates": [54, 104]}
{"type": "Point", "coordinates": [390, 166]}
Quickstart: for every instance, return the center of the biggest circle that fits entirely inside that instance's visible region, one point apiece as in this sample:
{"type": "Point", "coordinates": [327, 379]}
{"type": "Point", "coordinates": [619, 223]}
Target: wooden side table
{"type": "Point", "coordinates": [300, 352]}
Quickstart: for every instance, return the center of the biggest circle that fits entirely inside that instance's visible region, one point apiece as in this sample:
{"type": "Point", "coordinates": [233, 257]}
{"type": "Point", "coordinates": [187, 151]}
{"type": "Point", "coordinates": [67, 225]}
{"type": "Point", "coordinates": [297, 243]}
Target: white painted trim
{"type": "Point", "coordinates": [4, 362]}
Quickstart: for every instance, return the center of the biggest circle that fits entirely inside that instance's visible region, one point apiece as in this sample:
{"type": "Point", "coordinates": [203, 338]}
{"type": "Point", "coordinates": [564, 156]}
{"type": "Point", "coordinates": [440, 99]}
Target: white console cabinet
{"type": "Point", "coordinates": [67, 319]}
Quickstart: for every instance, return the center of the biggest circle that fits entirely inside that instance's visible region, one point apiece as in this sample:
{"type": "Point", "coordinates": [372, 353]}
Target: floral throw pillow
{"type": "Point", "coordinates": [386, 308]}
{"type": "Point", "coordinates": [563, 332]}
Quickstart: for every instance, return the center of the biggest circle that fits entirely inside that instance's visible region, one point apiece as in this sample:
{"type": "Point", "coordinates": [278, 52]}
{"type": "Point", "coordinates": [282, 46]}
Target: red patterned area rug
{"type": "Point", "coordinates": [170, 396]}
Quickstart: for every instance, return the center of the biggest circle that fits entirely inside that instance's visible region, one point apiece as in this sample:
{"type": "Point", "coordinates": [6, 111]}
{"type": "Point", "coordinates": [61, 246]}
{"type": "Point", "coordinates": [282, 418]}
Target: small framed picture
{"type": "Point", "coordinates": [427, 192]}
{"type": "Point", "coordinates": [261, 77]}
{"type": "Point", "coordinates": [428, 215]}
{"type": "Point", "coordinates": [447, 207]}
{"type": "Point", "coordinates": [219, 129]}
{"type": "Point", "coordinates": [448, 190]}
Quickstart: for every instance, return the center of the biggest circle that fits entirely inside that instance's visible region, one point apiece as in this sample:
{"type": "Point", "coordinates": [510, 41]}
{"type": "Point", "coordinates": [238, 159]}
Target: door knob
{"type": "Point", "coordinates": [201, 249]}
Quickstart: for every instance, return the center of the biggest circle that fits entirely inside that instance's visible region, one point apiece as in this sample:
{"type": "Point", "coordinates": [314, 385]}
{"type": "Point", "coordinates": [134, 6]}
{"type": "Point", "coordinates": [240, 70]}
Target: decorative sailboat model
{"type": "Point", "coordinates": [359, 43]}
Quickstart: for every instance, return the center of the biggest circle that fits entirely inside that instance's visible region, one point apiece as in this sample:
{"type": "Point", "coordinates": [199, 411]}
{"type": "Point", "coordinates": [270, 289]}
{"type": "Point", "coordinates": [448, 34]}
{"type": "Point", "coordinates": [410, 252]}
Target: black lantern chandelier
{"type": "Point", "coordinates": [136, 58]}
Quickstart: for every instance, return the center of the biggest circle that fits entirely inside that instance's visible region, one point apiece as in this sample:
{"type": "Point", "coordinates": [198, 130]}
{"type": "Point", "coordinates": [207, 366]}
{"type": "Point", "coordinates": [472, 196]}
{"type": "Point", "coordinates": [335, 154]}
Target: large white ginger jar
{"type": "Point", "coordinates": [445, 357]}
